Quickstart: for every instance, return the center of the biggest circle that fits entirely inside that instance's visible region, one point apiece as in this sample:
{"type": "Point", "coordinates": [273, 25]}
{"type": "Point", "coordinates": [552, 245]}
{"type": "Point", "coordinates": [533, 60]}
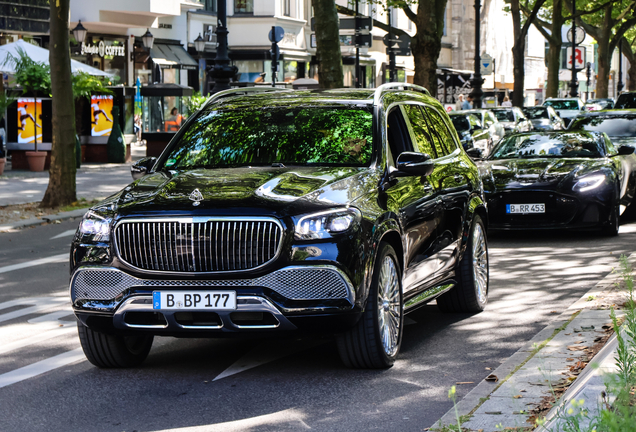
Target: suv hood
{"type": "Point", "coordinates": [267, 188]}
{"type": "Point", "coordinates": [516, 173]}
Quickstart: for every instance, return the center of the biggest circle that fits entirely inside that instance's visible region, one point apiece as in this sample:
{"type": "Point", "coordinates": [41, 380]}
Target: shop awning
{"type": "Point", "coordinates": [172, 57]}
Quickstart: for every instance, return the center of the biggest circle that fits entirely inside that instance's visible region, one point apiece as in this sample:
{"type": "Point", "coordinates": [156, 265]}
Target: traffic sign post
{"type": "Point", "coordinates": [579, 57]}
{"type": "Point", "coordinates": [486, 64]}
{"type": "Point", "coordinates": [276, 35]}
{"type": "Point", "coordinates": [397, 44]}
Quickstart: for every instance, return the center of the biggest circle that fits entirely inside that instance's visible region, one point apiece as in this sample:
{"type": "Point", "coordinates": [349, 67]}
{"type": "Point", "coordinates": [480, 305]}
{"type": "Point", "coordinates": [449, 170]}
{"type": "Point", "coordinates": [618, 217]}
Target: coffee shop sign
{"type": "Point", "coordinates": [102, 49]}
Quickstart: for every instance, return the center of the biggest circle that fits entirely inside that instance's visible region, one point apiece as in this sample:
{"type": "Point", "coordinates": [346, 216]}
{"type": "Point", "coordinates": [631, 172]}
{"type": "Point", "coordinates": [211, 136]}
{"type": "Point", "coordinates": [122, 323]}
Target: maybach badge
{"type": "Point", "coordinates": [196, 196]}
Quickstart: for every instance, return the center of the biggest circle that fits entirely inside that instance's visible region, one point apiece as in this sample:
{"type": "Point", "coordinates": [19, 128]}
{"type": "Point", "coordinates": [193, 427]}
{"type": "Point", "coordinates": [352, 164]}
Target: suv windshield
{"type": "Point", "coordinates": [626, 100]}
{"type": "Point", "coordinates": [536, 113]}
{"type": "Point", "coordinates": [504, 115]}
{"type": "Point", "coordinates": [562, 104]}
{"type": "Point", "coordinates": [615, 126]}
{"type": "Point", "coordinates": [279, 135]}
{"type": "Point", "coordinates": [541, 146]}
{"type": "Point", "coordinates": [461, 123]}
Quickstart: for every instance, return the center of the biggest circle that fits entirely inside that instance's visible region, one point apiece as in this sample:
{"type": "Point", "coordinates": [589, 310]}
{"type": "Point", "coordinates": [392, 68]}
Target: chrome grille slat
{"type": "Point", "coordinates": [198, 245]}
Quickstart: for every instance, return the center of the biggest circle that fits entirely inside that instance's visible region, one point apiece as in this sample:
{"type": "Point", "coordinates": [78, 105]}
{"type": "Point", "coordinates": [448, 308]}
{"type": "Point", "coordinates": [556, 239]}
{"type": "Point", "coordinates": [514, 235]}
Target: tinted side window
{"type": "Point", "coordinates": [445, 139]}
{"type": "Point", "coordinates": [423, 139]}
{"type": "Point", "coordinates": [398, 134]}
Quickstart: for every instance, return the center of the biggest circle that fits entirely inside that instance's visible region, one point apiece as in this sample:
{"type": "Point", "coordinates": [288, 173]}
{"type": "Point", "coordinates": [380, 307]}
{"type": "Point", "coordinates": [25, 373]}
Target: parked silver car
{"type": "Point", "coordinates": [544, 118]}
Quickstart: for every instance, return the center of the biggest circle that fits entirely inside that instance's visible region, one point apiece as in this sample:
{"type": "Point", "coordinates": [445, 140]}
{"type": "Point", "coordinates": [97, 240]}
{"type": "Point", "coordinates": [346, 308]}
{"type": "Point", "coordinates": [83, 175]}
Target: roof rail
{"type": "Point", "coordinates": [245, 90]}
{"type": "Point", "coordinates": [397, 86]}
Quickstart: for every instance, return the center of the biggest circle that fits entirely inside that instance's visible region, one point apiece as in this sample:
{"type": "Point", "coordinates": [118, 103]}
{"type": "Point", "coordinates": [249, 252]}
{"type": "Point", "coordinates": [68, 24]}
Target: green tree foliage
{"type": "Point", "coordinates": [32, 76]}
{"type": "Point", "coordinates": [607, 24]}
{"type": "Point", "coordinates": [194, 103]}
{"type": "Point", "coordinates": [85, 85]}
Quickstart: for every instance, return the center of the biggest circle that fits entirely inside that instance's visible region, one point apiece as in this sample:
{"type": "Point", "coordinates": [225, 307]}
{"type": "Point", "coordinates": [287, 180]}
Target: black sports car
{"type": "Point", "coordinates": [563, 179]}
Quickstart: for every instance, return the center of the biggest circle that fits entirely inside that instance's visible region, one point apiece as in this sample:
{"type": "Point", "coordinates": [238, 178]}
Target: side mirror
{"type": "Point", "coordinates": [625, 150]}
{"type": "Point", "coordinates": [413, 164]}
{"type": "Point", "coordinates": [475, 153]}
{"type": "Point", "coordinates": [142, 167]}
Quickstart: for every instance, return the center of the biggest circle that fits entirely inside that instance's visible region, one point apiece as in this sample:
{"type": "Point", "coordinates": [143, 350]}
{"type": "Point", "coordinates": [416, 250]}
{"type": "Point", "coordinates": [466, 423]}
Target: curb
{"type": "Point", "coordinates": [16, 226]}
{"type": "Point", "coordinates": [478, 395]}
{"type": "Point", "coordinates": [588, 386]}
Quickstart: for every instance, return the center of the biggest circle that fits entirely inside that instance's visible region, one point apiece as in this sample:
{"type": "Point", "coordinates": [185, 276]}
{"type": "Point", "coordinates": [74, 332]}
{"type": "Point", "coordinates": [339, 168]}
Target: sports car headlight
{"type": "Point", "coordinates": [590, 182]}
{"type": "Point", "coordinates": [326, 224]}
{"type": "Point", "coordinates": [95, 225]}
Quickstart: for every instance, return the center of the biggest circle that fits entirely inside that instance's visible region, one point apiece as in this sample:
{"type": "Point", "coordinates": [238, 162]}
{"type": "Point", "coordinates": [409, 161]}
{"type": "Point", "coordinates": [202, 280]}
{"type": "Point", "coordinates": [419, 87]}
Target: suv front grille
{"type": "Point", "coordinates": [198, 244]}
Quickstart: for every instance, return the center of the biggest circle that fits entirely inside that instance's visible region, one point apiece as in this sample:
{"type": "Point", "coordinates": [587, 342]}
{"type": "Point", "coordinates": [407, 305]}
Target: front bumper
{"type": "Point", "coordinates": [117, 301]}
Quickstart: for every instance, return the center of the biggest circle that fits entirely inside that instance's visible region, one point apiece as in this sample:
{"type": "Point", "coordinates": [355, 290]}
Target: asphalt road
{"type": "Point", "coordinates": [274, 385]}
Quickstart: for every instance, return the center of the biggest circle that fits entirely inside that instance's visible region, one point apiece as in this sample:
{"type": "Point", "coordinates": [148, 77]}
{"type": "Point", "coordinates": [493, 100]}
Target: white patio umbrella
{"type": "Point", "coordinates": [41, 55]}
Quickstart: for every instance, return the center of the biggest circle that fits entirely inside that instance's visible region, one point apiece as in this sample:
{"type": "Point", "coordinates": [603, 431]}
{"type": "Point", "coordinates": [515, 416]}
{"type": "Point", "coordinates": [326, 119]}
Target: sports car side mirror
{"type": "Point", "coordinates": [413, 164]}
{"type": "Point", "coordinates": [142, 167]}
{"type": "Point", "coordinates": [625, 150]}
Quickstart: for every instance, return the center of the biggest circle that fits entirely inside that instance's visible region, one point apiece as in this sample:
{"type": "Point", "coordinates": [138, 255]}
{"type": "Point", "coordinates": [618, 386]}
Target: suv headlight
{"type": "Point", "coordinates": [325, 224]}
{"type": "Point", "coordinates": [96, 226]}
{"type": "Point", "coordinates": [589, 182]}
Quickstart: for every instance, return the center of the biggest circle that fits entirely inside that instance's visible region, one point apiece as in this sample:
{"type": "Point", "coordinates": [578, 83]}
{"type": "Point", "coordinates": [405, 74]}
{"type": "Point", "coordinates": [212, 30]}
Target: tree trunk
{"type": "Point", "coordinates": [518, 55]}
{"type": "Point", "coordinates": [61, 189]}
{"type": "Point", "coordinates": [427, 42]}
{"type": "Point", "coordinates": [602, 81]}
{"type": "Point", "coordinates": [330, 71]}
{"type": "Point", "coordinates": [554, 51]}
{"type": "Point", "coordinates": [630, 77]}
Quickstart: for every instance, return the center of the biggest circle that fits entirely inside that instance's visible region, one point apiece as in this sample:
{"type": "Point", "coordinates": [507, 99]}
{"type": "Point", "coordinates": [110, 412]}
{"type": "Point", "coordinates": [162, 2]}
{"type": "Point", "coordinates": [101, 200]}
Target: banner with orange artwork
{"type": "Point", "coordinates": [29, 120]}
{"type": "Point", "coordinates": [101, 115]}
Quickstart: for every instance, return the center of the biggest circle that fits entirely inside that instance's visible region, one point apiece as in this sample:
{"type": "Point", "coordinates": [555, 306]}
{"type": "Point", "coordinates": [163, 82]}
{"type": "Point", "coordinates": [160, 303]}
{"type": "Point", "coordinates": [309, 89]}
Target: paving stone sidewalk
{"type": "Point", "coordinates": [546, 362]}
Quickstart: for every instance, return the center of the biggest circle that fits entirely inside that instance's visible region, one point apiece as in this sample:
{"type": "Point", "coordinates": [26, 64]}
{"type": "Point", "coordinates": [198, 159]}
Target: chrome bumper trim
{"type": "Point", "coordinates": [244, 304]}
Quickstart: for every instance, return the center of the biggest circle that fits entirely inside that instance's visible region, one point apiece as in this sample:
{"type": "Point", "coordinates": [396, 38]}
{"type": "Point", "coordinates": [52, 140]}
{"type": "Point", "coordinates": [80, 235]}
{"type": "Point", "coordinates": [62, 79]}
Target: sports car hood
{"type": "Point", "coordinates": [621, 141]}
{"type": "Point", "coordinates": [504, 174]}
{"type": "Point", "coordinates": [229, 190]}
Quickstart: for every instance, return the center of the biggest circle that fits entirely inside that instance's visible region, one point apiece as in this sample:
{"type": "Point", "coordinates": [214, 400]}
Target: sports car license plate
{"type": "Point", "coordinates": [200, 300]}
{"type": "Point", "coordinates": [525, 208]}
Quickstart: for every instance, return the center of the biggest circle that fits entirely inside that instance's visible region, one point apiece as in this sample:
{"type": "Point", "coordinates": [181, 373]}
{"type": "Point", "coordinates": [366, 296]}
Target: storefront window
{"type": "Point", "coordinates": [163, 113]}
{"type": "Point", "coordinates": [106, 53]}
{"type": "Point", "coordinates": [250, 70]}
{"type": "Point", "coordinates": [290, 71]}
{"type": "Point", "coordinates": [243, 6]}
{"type": "Point", "coordinates": [170, 76]}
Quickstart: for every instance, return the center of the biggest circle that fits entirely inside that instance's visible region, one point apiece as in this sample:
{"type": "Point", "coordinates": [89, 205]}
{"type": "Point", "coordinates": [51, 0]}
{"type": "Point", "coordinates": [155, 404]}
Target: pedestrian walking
{"type": "Point", "coordinates": [459, 103]}
{"type": "Point", "coordinates": [468, 103]}
{"type": "Point", "coordinates": [506, 102]}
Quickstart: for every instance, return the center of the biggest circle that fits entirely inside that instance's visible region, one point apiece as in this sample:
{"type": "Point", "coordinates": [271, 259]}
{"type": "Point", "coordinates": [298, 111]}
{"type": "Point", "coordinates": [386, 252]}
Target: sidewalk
{"type": "Point", "coordinates": [93, 181]}
{"type": "Point", "coordinates": [522, 387]}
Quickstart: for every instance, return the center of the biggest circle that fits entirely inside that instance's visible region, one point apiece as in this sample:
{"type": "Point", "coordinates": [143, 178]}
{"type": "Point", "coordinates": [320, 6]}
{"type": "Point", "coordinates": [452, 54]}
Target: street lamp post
{"type": "Point", "coordinates": [79, 32]}
{"type": "Point", "coordinates": [477, 81]}
{"type": "Point", "coordinates": [222, 71]}
{"type": "Point", "coordinates": [574, 85]}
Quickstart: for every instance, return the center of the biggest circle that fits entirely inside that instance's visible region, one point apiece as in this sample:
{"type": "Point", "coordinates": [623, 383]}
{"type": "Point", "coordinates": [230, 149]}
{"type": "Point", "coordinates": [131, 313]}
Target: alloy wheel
{"type": "Point", "coordinates": [389, 306]}
{"type": "Point", "coordinates": [480, 263]}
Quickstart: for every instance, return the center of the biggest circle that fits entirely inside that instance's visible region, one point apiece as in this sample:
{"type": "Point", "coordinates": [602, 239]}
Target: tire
{"type": "Point", "coordinates": [374, 342]}
{"type": "Point", "coordinates": [471, 292]}
{"type": "Point", "coordinates": [613, 223]}
{"type": "Point", "coordinates": [113, 351]}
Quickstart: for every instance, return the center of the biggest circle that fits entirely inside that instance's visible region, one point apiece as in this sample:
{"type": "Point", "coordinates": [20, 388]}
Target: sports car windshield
{"type": "Point", "coordinates": [615, 126]}
{"type": "Point", "coordinates": [308, 135]}
{"type": "Point", "coordinates": [562, 104]}
{"type": "Point", "coordinates": [567, 145]}
{"type": "Point", "coordinates": [536, 113]}
{"type": "Point", "coordinates": [504, 115]}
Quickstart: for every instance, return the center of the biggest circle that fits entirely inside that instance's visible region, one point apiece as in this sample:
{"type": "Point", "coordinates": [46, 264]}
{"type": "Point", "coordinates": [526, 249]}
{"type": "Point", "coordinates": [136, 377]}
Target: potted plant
{"type": "Point", "coordinates": [35, 78]}
{"type": "Point", "coordinates": [5, 101]}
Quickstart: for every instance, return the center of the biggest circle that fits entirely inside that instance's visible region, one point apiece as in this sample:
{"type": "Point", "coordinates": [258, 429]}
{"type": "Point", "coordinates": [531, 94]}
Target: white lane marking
{"type": "Point", "coordinates": [58, 298]}
{"type": "Point", "coordinates": [289, 417]}
{"type": "Point", "coordinates": [52, 317]}
{"type": "Point", "coordinates": [41, 367]}
{"type": "Point", "coordinates": [265, 353]}
{"type": "Point", "coordinates": [64, 234]}
{"type": "Point", "coordinates": [47, 303]}
{"type": "Point", "coordinates": [55, 333]}
{"type": "Point", "coordinates": [52, 259]}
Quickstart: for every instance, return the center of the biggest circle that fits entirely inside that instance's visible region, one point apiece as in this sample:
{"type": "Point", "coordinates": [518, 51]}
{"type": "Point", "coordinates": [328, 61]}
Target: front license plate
{"type": "Point", "coordinates": [525, 208]}
{"type": "Point", "coordinates": [200, 300]}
